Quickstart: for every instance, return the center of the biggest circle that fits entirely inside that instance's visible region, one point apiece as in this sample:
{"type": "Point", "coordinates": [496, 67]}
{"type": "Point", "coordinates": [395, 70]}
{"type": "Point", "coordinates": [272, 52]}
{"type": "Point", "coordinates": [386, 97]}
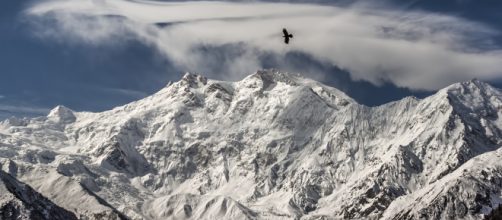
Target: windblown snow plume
{"type": "Point", "coordinates": [271, 146]}
{"type": "Point", "coordinates": [411, 49]}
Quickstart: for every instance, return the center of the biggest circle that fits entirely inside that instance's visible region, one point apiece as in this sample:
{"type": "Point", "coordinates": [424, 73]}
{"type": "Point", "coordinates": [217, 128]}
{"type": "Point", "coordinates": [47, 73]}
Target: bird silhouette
{"type": "Point", "coordinates": [286, 36]}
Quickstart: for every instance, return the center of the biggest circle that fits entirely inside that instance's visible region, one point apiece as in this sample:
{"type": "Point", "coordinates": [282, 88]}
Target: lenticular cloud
{"type": "Point", "coordinates": [416, 50]}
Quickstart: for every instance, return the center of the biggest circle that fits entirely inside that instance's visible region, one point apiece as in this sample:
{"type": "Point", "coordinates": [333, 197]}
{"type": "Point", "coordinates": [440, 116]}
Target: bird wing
{"type": "Point", "coordinates": [285, 32]}
{"type": "Point", "coordinates": [286, 40]}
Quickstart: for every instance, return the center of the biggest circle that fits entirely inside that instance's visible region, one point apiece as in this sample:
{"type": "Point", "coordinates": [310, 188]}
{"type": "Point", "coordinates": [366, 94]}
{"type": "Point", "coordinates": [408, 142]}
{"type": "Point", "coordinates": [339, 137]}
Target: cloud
{"type": "Point", "coordinates": [412, 49]}
{"type": "Point", "coordinates": [126, 92]}
{"type": "Point", "coordinates": [23, 110]}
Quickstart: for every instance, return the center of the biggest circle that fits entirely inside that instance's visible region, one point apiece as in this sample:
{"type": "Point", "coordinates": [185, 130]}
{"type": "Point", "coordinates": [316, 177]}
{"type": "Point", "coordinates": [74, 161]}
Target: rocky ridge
{"type": "Point", "coordinates": [271, 146]}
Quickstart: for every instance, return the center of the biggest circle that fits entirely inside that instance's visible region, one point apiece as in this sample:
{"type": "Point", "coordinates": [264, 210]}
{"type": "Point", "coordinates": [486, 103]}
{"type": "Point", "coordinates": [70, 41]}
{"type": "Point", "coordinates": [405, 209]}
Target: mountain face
{"type": "Point", "coordinates": [271, 146]}
{"type": "Point", "coordinates": [19, 201]}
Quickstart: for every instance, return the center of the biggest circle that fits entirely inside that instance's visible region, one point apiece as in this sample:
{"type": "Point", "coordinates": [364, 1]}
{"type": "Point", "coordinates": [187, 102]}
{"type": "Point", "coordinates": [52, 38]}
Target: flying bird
{"type": "Point", "coordinates": [286, 36]}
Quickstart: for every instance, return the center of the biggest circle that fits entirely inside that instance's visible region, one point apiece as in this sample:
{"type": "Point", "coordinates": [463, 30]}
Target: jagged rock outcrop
{"type": "Point", "coordinates": [20, 201]}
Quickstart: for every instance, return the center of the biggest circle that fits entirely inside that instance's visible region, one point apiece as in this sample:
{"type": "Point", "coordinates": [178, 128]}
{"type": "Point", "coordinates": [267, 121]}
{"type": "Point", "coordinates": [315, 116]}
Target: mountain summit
{"type": "Point", "coordinates": [271, 146]}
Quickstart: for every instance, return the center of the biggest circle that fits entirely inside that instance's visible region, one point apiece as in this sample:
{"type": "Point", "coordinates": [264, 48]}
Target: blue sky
{"type": "Point", "coordinates": [44, 63]}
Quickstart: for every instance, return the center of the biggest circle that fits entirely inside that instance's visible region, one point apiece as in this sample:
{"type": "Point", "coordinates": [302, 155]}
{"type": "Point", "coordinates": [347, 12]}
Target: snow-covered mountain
{"type": "Point", "coordinates": [271, 146]}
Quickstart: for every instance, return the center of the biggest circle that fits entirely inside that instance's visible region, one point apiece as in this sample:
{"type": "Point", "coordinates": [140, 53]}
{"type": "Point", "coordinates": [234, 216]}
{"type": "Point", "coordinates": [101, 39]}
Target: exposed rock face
{"type": "Point", "coordinates": [271, 146]}
{"type": "Point", "coordinates": [20, 201]}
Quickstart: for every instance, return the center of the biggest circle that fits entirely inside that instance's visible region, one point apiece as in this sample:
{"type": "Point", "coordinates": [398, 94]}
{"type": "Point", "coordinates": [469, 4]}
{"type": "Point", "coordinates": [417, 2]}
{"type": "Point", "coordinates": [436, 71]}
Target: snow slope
{"type": "Point", "coordinates": [271, 146]}
{"type": "Point", "coordinates": [19, 201]}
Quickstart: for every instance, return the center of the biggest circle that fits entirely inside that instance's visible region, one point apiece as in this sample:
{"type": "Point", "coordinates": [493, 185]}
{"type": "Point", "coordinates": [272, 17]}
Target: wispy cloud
{"type": "Point", "coordinates": [23, 110]}
{"type": "Point", "coordinates": [417, 50]}
{"type": "Point", "coordinates": [126, 92]}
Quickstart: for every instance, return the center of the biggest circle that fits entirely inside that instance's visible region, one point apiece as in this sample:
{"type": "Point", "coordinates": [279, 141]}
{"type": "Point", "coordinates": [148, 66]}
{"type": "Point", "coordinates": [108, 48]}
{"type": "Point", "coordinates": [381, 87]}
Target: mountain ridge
{"type": "Point", "coordinates": [273, 145]}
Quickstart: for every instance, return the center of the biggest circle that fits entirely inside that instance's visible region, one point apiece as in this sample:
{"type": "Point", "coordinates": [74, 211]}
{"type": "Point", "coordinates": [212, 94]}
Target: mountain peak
{"type": "Point", "coordinates": [193, 79]}
{"type": "Point", "coordinates": [61, 114]}
{"type": "Point", "coordinates": [473, 84]}
{"type": "Point", "coordinates": [470, 90]}
{"type": "Point", "coordinates": [274, 76]}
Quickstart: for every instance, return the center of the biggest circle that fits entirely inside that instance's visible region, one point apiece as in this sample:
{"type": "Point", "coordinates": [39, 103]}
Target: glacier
{"type": "Point", "coordinates": [274, 145]}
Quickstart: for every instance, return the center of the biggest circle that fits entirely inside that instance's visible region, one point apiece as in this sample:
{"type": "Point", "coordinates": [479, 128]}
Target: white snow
{"type": "Point", "coordinates": [274, 145]}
